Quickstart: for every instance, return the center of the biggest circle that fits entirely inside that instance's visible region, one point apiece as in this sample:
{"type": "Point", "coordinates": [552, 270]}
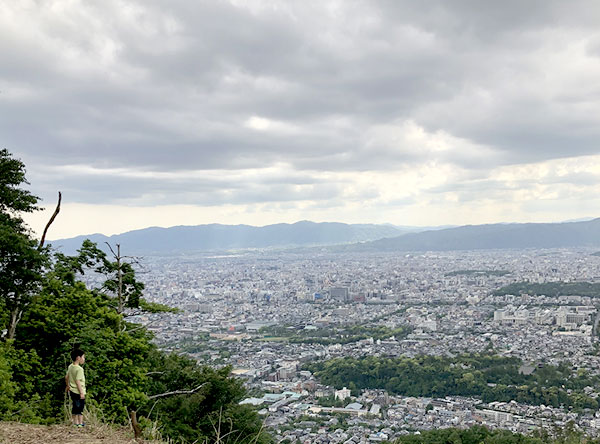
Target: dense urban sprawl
{"type": "Point", "coordinates": [269, 314]}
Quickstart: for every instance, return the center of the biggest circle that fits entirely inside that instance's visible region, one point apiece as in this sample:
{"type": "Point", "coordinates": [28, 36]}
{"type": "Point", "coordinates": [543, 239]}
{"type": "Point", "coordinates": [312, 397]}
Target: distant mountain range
{"type": "Point", "coordinates": [215, 237]}
{"type": "Point", "coordinates": [346, 237]}
{"type": "Point", "coordinates": [493, 236]}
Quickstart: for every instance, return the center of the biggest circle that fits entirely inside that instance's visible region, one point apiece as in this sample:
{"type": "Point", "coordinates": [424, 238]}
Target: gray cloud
{"type": "Point", "coordinates": [131, 188]}
{"type": "Point", "coordinates": [171, 87]}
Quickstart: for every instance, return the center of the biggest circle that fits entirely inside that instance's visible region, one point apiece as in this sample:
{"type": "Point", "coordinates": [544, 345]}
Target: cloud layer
{"type": "Point", "coordinates": [394, 111]}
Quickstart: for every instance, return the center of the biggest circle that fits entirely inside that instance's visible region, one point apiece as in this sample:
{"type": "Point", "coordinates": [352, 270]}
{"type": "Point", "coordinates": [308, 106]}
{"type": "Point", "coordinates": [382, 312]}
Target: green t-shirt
{"type": "Point", "coordinates": [75, 373]}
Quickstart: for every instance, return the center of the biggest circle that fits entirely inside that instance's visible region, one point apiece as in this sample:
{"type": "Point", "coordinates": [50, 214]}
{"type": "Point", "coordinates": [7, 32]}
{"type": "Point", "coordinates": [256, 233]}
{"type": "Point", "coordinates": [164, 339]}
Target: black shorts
{"type": "Point", "coordinates": [78, 403]}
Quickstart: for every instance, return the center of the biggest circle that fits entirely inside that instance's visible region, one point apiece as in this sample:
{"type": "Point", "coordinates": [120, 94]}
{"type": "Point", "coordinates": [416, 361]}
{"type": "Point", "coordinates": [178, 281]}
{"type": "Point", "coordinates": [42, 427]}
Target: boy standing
{"type": "Point", "coordinates": [75, 380]}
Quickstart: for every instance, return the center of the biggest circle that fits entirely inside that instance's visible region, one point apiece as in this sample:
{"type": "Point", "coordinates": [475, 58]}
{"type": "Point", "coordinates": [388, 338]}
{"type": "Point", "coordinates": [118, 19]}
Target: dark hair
{"type": "Point", "coordinates": [76, 353]}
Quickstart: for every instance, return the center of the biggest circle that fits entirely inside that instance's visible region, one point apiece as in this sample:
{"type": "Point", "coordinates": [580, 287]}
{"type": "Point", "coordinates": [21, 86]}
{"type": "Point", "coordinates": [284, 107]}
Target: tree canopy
{"type": "Point", "coordinates": [47, 310]}
{"type": "Point", "coordinates": [21, 260]}
{"type": "Point", "coordinates": [487, 376]}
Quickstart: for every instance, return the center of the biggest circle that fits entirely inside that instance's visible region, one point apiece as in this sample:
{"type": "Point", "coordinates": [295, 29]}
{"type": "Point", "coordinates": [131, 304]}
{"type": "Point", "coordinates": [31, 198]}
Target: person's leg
{"type": "Point", "coordinates": [77, 412]}
{"type": "Point", "coordinates": [74, 411]}
{"type": "Point", "coordinates": [81, 407]}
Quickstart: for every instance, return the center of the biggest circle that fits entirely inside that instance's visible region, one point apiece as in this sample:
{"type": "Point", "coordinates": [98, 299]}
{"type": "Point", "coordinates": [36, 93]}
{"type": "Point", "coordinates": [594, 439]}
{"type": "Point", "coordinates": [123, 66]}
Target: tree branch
{"type": "Point", "coordinates": [177, 392]}
{"type": "Point", "coordinates": [111, 250]}
{"type": "Point", "coordinates": [56, 211]}
{"type": "Point", "coordinates": [141, 326]}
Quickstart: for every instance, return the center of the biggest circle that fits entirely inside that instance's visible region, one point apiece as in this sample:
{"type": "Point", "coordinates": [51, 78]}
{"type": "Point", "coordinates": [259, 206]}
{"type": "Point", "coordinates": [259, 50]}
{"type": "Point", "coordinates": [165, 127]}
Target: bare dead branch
{"type": "Point", "coordinates": [111, 250]}
{"type": "Point", "coordinates": [153, 405]}
{"type": "Point", "coordinates": [134, 259]}
{"type": "Point", "coordinates": [154, 373]}
{"type": "Point", "coordinates": [141, 326]}
{"type": "Point", "coordinates": [56, 211]}
{"type": "Point", "coordinates": [132, 313]}
{"type": "Point", "coordinates": [177, 392]}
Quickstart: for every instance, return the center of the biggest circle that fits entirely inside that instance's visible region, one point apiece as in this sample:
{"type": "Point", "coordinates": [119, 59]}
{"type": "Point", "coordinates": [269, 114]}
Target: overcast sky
{"type": "Point", "coordinates": [413, 113]}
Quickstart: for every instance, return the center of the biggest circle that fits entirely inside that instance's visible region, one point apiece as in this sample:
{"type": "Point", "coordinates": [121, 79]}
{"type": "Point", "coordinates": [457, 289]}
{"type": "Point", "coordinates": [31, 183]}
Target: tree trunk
{"type": "Point", "coordinates": [120, 275]}
{"type": "Point", "coordinates": [137, 430]}
{"type": "Point", "coordinates": [15, 317]}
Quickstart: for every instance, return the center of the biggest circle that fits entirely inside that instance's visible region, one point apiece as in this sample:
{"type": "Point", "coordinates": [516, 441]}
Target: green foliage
{"type": "Point", "coordinates": [155, 307]}
{"type": "Point", "coordinates": [49, 311]}
{"type": "Point", "coordinates": [551, 289]}
{"type": "Point", "coordinates": [328, 336]}
{"type": "Point", "coordinates": [66, 313]}
{"type": "Point", "coordinates": [492, 378]}
{"type": "Point", "coordinates": [474, 435]}
{"type": "Point", "coordinates": [21, 262]}
{"type": "Point", "coordinates": [117, 273]}
{"type": "Point", "coordinates": [330, 401]}
{"type": "Point", "coordinates": [13, 199]}
{"type": "Point", "coordinates": [23, 396]}
{"type": "Point", "coordinates": [213, 406]}
{"type": "Point", "coordinates": [483, 435]}
{"type": "Point", "coordinates": [91, 259]}
{"type": "Point", "coordinates": [7, 385]}
{"type": "Point", "coordinates": [569, 434]}
{"type": "Point", "coordinates": [21, 268]}
{"type": "Point", "coordinates": [123, 367]}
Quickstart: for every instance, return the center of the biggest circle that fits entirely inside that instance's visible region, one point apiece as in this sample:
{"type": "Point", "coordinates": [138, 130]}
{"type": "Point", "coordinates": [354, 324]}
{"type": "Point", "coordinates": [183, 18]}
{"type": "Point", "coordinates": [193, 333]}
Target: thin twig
{"type": "Point", "coordinates": [177, 392]}
{"type": "Point", "coordinates": [153, 405]}
{"type": "Point", "coordinates": [142, 326]}
{"type": "Point", "coordinates": [111, 250]}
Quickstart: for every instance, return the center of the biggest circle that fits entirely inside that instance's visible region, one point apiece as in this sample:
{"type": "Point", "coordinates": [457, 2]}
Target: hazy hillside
{"type": "Point", "coordinates": [493, 236]}
{"type": "Point", "coordinates": [346, 237]}
{"type": "Point", "coordinates": [223, 237]}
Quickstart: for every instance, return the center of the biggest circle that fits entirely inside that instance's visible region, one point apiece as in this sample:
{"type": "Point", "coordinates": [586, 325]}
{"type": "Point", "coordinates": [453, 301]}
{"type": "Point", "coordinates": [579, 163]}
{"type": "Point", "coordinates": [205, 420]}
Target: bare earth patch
{"type": "Point", "coordinates": [17, 433]}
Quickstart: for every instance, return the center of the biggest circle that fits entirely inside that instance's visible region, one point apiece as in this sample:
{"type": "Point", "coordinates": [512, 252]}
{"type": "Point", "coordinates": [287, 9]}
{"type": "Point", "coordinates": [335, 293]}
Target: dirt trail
{"type": "Point", "coordinates": [16, 433]}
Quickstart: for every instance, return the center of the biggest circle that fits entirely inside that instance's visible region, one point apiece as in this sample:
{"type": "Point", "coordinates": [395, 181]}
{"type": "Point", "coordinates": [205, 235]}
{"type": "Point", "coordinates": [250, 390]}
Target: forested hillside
{"type": "Point", "coordinates": [46, 310]}
{"type": "Point", "coordinates": [214, 237]}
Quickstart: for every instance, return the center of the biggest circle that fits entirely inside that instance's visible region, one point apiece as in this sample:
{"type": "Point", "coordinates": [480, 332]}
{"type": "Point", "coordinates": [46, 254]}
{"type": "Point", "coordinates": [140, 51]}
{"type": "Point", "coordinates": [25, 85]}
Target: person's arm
{"type": "Point", "coordinates": [67, 382]}
{"type": "Point", "coordinates": [78, 380]}
{"type": "Point", "coordinates": [80, 387]}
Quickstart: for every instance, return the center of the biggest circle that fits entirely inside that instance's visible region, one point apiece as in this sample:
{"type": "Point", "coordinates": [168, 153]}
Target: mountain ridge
{"type": "Point", "coordinates": [337, 236]}
{"type": "Point", "coordinates": [492, 236]}
{"type": "Point", "coordinates": [210, 237]}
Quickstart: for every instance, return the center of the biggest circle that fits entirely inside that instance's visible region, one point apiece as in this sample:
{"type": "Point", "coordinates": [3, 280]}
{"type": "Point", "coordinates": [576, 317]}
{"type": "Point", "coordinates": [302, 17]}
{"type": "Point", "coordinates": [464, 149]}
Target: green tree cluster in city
{"type": "Point", "coordinates": [482, 435]}
{"type": "Point", "coordinates": [489, 377]}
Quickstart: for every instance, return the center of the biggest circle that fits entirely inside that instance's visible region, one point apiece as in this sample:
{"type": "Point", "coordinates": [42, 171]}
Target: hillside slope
{"type": "Point", "coordinates": [224, 237]}
{"type": "Point", "coordinates": [17, 433]}
{"type": "Point", "coordinates": [493, 236]}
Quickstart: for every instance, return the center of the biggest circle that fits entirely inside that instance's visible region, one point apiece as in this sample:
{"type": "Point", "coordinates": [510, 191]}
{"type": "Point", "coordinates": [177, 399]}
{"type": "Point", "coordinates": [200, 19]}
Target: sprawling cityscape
{"type": "Point", "coordinates": [278, 318]}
